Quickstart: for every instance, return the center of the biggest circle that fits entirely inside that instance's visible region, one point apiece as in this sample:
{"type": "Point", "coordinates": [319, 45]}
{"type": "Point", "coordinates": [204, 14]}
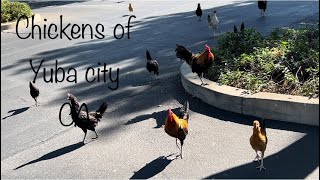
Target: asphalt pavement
{"type": "Point", "coordinates": [132, 142]}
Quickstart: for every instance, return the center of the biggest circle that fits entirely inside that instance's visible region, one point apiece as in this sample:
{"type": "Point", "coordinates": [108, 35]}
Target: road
{"type": "Point", "coordinates": [132, 142]}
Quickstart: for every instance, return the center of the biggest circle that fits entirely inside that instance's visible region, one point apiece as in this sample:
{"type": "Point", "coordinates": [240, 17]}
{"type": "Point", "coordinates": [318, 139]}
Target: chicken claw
{"type": "Point", "coordinates": [261, 167]}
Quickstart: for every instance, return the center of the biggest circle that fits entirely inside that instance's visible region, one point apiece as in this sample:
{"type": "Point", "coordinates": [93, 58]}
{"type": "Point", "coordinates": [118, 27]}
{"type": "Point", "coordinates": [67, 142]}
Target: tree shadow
{"type": "Point", "coordinates": [41, 4]}
{"type": "Point", "coordinates": [54, 154]}
{"type": "Point", "coordinates": [153, 168]}
{"type": "Point", "coordinates": [296, 161]}
{"type": "Point", "coordinates": [159, 116]}
{"type": "Point", "coordinates": [16, 112]}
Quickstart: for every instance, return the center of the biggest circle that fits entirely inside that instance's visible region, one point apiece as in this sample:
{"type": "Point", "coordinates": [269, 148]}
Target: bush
{"type": "Point", "coordinates": [11, 11]}
{"type": "Point", "coordinates": [286, 61]}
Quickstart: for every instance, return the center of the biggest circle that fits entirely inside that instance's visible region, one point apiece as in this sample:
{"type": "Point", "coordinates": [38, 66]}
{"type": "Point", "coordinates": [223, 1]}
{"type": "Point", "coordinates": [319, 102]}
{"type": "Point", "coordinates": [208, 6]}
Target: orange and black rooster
{"type": "Point", "coordinates": [177, 126]}
{"type": "Point", "coordinates": [82, 119]}
{"type": "Point", "coordinates": [259, 140]}
{"type": "Point", "coordinates": [199, 63]}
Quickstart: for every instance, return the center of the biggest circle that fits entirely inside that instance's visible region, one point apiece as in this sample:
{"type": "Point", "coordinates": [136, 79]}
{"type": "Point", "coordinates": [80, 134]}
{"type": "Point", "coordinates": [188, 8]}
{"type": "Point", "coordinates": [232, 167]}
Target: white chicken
{"type": "Point", "coordinates": [213, 22]}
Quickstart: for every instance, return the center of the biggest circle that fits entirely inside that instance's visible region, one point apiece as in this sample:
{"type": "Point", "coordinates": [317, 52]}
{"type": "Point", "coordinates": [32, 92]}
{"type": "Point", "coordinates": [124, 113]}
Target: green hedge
{"type": "Point", "coordinates": [11, 11]}
{"type": "Point", "coordinates": [286, 61]}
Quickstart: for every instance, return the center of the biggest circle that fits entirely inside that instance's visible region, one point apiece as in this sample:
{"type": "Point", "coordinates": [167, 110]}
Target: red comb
{"type": "Point", "coordinates": [207, 48]}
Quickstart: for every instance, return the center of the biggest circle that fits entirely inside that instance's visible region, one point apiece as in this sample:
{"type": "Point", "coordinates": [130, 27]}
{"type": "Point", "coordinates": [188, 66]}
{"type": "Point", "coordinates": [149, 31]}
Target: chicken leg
{"type": "Point", "coordinates": [261, 165]}
{"type": "Point", "coordinates": [85, 134]}
{"type": "Point", "coordinates": [257, 157]}
{"type": "Point", "coordinates": [181, 143]}
{"type": "Point", "coordinates": [96, 135]}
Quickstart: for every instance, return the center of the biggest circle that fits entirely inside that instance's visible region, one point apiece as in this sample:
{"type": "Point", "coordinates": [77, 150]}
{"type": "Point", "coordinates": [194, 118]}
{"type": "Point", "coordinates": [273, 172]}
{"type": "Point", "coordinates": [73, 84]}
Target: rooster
{"type": "Point", "coordinates": [177, 126]}
{"type": "Point", "coordinates": [130, 8]}
{"type": "Point", "coordinates": [213, 22]}
{"type": "Point", "coordinates": [152, 65]}
{"type": "Point", "coordinates": [34, 92]}
{"type": "Point", "coordinates": [259, 140]}
{"type": "Point", "coordinates": [242, 27]}
{"type": "Point", "coordinates": [82, 119]}
{"type": "Point", "coordinates": [199, 12]}
{"type": "Point", "coordinates": [262, 5]}
{"type": "Point", "coordinates": [235, 30]}
{"type": "Point", "coordinates": [199, 63]}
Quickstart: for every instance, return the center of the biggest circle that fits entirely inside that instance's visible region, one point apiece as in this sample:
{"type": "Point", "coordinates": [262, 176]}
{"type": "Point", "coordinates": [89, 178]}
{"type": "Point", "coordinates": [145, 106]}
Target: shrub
{"type": "Point", "coordinates": [11, 11]}
{"type": "Point", "coordinates": [286, 61]}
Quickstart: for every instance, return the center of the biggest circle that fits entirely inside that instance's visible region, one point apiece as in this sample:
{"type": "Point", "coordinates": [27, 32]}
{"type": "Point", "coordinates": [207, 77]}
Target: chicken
{"type": "Point", "coordinates": [177, 126]}
{"type": "Point", "coordinates": [262, 5]}
{"type": "Point", "coordinates": [199, 12]}
{"type": "Point", "coordinates": [199, 63]}
{"type": "Point", "coordinates": [235, 30]}
{"type": "Point", "coordinates": [213, 22]}
{"type": "Point", "coordinates": [130, 8]}
{"type": "Point", "coordinates": [152, 65]}
{"type": "Point", "coordinates": [34, 92]}
{"type": "Point", "coordinates": [259, 140]}
{"type": "Point", "coordinates": [83, 119]}
{"type": "Point", "coordinates": [242, 27]}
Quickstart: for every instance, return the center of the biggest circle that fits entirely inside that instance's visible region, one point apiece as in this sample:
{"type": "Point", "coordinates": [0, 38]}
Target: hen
{"type": "Point", "coordinates": [199, 63]}
{"type": "Point", "coordinates": [82, 119]}
{"type": "Point", "coordinates": [34, 92]}
{"type": "Point", "coordinates": [213, 22]}
{"type": "Point", "coordinates": [130, 8]}
{"type": "Point", "coordinates": [262, 5]}
{"type": "Point", "coordinates": [259, 140]}
{"type": "Point", "coordinates": [152, 65]}
{"type": "Point", "coordinates": [199, 12]}
{"type": "Point", "coordinates": [177, 126]}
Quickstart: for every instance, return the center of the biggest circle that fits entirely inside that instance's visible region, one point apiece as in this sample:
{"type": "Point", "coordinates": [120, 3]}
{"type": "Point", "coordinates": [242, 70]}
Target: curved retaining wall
{"type": "Point", "coordinates": [296, 109]}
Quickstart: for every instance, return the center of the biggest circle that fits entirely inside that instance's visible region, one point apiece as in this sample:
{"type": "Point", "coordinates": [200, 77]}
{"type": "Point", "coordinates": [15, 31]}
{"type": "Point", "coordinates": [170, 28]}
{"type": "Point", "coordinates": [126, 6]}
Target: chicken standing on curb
{"type": "Point", "coordinates": [259, 140]}
{"type": "Point", "coordinates": [82, 119]}
{"type": "Point", "coordinates": [199, 12]}
{"type": "Point", "coordinates": [152, 65]}
{"type": "Point", "coordinates": [177, 127]}
{"type": "Point", "coordinates": [34, 92]}
{"type": "Point", "coordinates": [199, 63]}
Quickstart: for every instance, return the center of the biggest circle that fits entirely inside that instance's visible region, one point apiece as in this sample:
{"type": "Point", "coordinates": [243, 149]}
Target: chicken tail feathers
{"type": "Point", "coordinates": [185, 111]}
{"type": "Point", "coordinates": [148, 56]}
{"type": "Point", "coordinates": [102, 108]}
{"type": "Point", "coordinates": [263, 126]}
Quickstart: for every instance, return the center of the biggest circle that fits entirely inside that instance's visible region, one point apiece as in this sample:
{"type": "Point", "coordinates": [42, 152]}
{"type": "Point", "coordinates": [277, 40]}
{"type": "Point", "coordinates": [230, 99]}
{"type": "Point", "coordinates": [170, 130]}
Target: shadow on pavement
{"type": "Point", "coordinates": [54, 154]}
{"type": "Point", "coordinates": [296, 161]}
{"type": "Point", "coordinates": [46, 3]}
{"type": "Point", "coordinates": [16, 111]}
{"type": "Point", "coordinates": [158, 116]}
{"type": "Point", "coordinates": [153, 168]}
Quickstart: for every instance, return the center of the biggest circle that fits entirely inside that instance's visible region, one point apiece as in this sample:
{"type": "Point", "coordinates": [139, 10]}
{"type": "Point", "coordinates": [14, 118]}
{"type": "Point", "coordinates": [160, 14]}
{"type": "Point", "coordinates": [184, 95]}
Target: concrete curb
{"type": "Point", "coordinates": [288, 108]}
{"type": "Point", "coordinates": [12, 24]}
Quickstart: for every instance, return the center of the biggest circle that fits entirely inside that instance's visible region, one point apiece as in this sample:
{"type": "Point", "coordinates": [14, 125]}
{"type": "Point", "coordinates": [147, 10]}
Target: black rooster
{"type": "Point", "coordinates": [199, 12]}
{"type": "Point", "coordinates": [152, 65]}
{"type": "Point", "coordinates": [242, 27]}
{"type": "Point", "coordinates": [235, 30]}
{"type": "Point", "coordinates": [262, 5]}
{"type": "Point", "coordinates": [83, 119]}
{"type": "Point", "coordinates": [34, 92]}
